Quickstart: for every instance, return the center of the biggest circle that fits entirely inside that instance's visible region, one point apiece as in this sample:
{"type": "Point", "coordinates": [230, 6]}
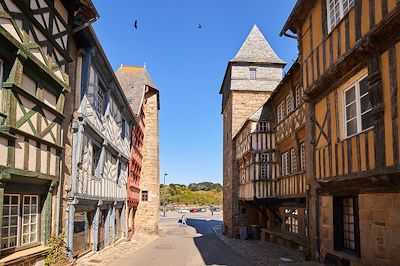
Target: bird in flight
{"type": "Point", "coordinates": [199, 26]}
{"type": "Point", "coordinates": [135, 24]}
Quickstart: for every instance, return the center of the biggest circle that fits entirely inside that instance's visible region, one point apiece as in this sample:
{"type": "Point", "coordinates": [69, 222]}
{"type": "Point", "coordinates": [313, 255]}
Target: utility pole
{"type": "Point", "coordinates": [164, 195]}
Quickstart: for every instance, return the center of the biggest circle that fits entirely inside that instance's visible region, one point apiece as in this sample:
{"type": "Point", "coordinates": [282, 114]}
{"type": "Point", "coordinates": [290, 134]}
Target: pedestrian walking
{"type": "Point", "coordinates": [182, 221]}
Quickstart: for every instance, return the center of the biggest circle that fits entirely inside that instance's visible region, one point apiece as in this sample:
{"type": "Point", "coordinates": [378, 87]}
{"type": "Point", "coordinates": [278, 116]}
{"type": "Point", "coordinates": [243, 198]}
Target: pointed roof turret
{"type": "Point", "coordinates": [256, 49]}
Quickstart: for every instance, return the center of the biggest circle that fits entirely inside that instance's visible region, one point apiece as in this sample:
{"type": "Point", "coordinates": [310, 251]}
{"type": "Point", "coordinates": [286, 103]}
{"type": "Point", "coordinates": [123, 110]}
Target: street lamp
{"type": "Point", "coordinates": [164, 194]}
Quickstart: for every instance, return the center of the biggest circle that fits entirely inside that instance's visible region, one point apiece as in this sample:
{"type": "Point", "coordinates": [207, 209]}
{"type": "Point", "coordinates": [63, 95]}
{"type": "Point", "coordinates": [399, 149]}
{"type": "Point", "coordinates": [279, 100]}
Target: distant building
{"type": "Point", "coordinates": [100, 135]}
{"type": "Point", "coordinates": [143, 180]}
{"type": "Point", "coordinates": [250, 78]}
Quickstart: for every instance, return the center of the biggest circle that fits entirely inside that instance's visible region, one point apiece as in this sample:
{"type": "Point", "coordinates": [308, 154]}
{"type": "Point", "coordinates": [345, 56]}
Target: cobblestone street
{"type": "Point", "coordinates": [262, 252]}
{"type": "Point", "coordinates": [200, 243]}
{"type": "Point", "coordinates": [118, 251]}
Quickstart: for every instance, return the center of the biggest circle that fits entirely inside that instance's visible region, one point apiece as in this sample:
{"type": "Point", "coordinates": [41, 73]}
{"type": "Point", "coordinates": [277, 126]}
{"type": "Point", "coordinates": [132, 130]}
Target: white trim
{"type": "Point", "coordinates": [302, 157]}
{"type": "Point", "coordinates": [293, 161]}
{"type": "Point", "coordinates": [356, 86]}
{"type": "Point", "coordinates": [342, 12]}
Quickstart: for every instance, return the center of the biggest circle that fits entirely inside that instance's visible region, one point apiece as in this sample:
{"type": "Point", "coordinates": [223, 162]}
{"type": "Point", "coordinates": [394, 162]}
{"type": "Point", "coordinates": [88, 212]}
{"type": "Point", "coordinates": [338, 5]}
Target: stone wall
{"type": "Point", "coordinates": [239, 106]}
{"type": "Point", "coordinates": [147, 214]}
{"type": "Point", "coordinates": [244, 104]}
{"type": "Point", "coordinates": [227, 167]}
{"type": "Point", "coordinates": [379, 219]}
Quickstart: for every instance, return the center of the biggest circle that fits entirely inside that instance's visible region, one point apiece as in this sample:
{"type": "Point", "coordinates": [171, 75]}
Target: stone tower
{"type": "Point", "coordinates": [250, 78]}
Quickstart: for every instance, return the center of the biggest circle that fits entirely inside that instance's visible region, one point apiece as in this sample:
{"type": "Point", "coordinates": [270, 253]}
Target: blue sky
{"type": "Point", "coordinates": [187, 65]}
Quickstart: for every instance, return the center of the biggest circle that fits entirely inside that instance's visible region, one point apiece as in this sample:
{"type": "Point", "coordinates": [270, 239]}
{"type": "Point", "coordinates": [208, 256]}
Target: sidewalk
{"type": "Point", "coordinates": [117, 251]}
{"type": "Point", "coordinates": [260, 252]}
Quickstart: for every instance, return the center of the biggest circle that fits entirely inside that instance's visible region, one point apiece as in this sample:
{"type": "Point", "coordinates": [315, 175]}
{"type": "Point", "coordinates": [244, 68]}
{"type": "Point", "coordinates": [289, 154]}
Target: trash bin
{"type": "Point", "coordinates": [255, 232]}
{"type": "Point", "coordinates": [243, 232]}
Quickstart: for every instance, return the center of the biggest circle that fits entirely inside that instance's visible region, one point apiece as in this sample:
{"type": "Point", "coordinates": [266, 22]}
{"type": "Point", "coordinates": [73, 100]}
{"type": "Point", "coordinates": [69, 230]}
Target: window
{"type": "Point", "coordinates": [145, 195]}
{"type": "Point", "coordinates": [358, 109]}
{"type": "Point", "coordinates": [302, 157]}
{"type": "Point", "coordinates": [346, 229]}
{"type": "Point", "coordinates": [252, 73]}
{"type": "Point", "coordinates": [337, 9]}
{"type": "Point", "coordinates": [20, 220]}
{"type": "Point", "coordinates": [99, 105]}
{"type": "Point", "coordinates": [119, 174]}
{"type": "Point", "coordinates": [293, 161]}
{"type": "Point", "coordinates": [95, 159]}
{"type": "Point", "coordinates": [262, 126]}
{"type": "Point", "coordinates": [285, 164]}
{"type": "Point", "coordinates": [264, 159]}
{"type": "Point", "coordinates": [123, 129]}
{"type": "Point", "coordinates": [298, 97]}
{"type": "Point", "coordinates": [291, 220]}
{"type": "Point", "coordinates": [289, 104]}
{"type": "Point", "coordinates": [281, 111]}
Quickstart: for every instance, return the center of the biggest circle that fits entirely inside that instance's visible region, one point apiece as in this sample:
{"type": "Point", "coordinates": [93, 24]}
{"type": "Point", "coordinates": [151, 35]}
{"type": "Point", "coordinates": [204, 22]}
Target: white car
{"type": "Point", "coordinates": [183, 211]}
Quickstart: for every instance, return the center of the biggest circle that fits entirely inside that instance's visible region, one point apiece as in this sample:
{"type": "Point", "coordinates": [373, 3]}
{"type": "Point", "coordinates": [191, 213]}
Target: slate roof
{"type": "Point", "coordinates": [133, 80]}
{"type": "Point", "coordinates": [256, 49]}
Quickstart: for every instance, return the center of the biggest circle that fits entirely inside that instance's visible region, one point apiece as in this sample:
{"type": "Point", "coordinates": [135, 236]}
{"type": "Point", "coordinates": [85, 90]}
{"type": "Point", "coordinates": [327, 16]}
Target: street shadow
{"type": "Point", "coordinates": [213, 250]}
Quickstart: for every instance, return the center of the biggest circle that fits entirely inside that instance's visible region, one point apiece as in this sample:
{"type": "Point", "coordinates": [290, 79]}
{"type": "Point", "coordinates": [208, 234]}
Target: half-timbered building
{"type": "Point", "coordinates": [270, 154]}
{"type": "Point", "coordinates": [35, 38]}
{"type": "Point", "coordinates": [143, 179]}
{"type": "Point", "coordinates": [349, 57]}
{"type": "Point", "coordinates": [101, 136]}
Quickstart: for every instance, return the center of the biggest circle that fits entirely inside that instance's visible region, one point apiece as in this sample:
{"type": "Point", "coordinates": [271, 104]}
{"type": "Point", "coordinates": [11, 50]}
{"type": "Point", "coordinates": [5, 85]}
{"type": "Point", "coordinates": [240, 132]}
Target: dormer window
{"type": "Point", "coordinates": [337, 9]}
{"type": "Point", "coordinates": [252, 73]}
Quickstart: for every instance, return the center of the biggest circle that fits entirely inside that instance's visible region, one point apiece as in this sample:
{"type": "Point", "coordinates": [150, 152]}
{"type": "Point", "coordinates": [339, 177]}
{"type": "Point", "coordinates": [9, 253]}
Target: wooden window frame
{"type": "Point", "coordinates": [289, 104]}
{"type": "Point", "coordinates": [262, 126]}
{"type": "Point", "coordinates": [95, 166]}
{"type": "Point", "coordinates": [342, 12]}
{"type": "Point", "coordinates": [285, 164]}
{"type": "Point", "coordinates": [20, 224]}
{"type": "Point", "coordinates": [302, 157]}
{"type": "Point", "coordinates": [358, 117]}
{"type": "Point", "coordinates": [291, 215]}
{"type": "Point", "coordinates": [338, 227]}
{"type": "Point", "coordinates": [281, 111]}
{"type": "Point", "coordinates": [298, 96]}
{"type": "Point", "coordinates": [123, 129]}
{"type": "Point", "coordinates": [264, 165]}
{"type": "Point", "coordinates": [252, 73]}
{"type": "Point", "coordinates": [293, 161]}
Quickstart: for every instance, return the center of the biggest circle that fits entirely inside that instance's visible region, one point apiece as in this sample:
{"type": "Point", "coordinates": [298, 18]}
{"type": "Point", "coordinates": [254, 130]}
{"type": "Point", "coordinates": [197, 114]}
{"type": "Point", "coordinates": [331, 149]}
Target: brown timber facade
{"type": "Point", "coordinates": [349, 57]}
{"type": "Point", "coordinates": [271, 161]}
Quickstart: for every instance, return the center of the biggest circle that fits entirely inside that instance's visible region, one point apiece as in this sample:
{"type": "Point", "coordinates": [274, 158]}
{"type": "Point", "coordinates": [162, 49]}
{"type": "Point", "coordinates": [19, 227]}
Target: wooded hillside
{"type": "Point", "coordinates": [201, 194]}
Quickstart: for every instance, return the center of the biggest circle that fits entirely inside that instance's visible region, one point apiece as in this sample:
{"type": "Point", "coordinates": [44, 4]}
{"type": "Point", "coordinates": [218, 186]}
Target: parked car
{"type": "Point", "coordinates": [202, 209]}
{"type": "Point", "coordinates": [216, 209]}
{"type": "Point", "coordinates": [182, 210]}
{"type": "Point", "coordinates": [194, 210]}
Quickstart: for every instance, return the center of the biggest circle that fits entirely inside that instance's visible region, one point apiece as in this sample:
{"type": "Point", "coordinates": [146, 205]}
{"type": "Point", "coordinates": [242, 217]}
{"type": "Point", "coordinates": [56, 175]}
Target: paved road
{"type": "Point", "coordinates": [195, 244]}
